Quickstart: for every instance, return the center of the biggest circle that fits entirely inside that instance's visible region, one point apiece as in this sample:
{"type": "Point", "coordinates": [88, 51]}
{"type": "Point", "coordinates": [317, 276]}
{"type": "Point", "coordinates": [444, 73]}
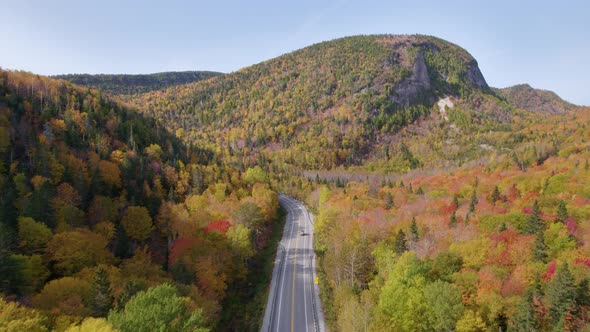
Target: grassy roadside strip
{"type": "Point", "coordinates": [244, 305]}
{"type": "Point", "coordinates": [326, 295]}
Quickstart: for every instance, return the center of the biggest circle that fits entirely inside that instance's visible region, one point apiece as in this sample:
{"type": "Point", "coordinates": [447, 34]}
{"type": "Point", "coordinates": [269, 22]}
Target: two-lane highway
{"type": "Point", "coordinates": [293, 301]}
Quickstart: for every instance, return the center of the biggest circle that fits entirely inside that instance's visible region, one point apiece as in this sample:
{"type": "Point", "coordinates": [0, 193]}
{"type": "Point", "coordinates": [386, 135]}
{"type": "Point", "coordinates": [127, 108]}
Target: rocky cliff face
{"type": "Point", "coordinates": [475, 76]}
{"type": "Point", "coordinates": [410, 88]}
{"type": "Point", "coordinates": [446, 64]}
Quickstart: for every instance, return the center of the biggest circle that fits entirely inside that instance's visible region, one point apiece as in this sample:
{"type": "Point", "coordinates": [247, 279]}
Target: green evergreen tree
{"type": "Point", "coordinates": [495, 195]}
{"type": "Point", "coordinates": [40, 206]}
{"type": "Point", "coordinates": [388, 201]}
{"type": "Point", "coordinates": [538, 285]}
{"type": "Point", "coordinates": [401, 244]}
{"type": "Point", "coordinates": [534, 223]}
{"type": "Point", "coordinates": [562, 213]}
{"type": "Point", "coordinates": [101, 296]}
{"type": "Point", "coordinates": [8, 237]}
{"type": "Point", "coordinates": [410, 189]}
{"type": "Point", "coordinates": [503, 227]}
{"type": "Point", "coordinates": [525, 318]}
{"type": "Point", "coordinates": [455, 201]}
{"type": "Point", "coordinates": [122, 244]}
{"type": "Point", "coordinates": [420, 191]}
{"type": "Point", "coordinates": [414, 236]}
{"type": "Point", "coordinates": [561, 293]}
{"type": "Point", "coordinates": [453, 221]}
{"type": "Point", "coordinates": [473, 202]}
{"type": "Point", "coordinates": [583, 293]}
{"type": "Point", "coordinates": [12, 271]}
{"type": "Point", "coordinates": [540, 248]}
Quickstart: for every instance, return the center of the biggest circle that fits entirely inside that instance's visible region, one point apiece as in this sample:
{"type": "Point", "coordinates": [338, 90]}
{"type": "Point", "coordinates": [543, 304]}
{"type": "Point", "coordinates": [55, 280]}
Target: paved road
{"type": "Point", "coordinates": [293, 301]}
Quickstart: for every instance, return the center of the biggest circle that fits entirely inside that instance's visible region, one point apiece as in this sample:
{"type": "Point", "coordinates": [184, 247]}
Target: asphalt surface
{"type": "Point", "coordinates": [293, 301]}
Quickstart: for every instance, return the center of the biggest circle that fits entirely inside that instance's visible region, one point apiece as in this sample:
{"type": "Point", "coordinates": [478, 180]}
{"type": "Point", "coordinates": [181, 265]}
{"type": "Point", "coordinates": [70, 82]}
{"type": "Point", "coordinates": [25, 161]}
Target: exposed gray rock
{"type": "Point", "coordinates": [475, 77]}
{"type": "Point", "coordinates": [414, 85]}
{"type": "Point", "coordinates": [419, 83]}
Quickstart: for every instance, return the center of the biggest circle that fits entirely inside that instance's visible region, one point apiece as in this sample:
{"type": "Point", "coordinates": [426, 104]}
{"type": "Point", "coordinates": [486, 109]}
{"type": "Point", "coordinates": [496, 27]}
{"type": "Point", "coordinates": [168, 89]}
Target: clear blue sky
{"type": "Point", "coordinates": [544, 43]}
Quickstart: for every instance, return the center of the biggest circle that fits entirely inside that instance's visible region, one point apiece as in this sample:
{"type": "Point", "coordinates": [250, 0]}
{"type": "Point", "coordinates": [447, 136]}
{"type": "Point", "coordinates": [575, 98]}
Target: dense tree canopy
{"type": "Point", "coordinates": [158, 309]}
{"type": "Point", "coordinates": [98, 203]}
{"type": "Point", "coordinates": [158, 215]}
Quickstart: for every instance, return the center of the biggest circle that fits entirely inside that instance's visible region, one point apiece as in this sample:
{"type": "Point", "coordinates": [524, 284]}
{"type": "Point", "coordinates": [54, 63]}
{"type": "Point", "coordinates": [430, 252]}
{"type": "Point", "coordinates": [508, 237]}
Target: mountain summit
{"type": "Point", "coordinates": [354, 91]}
{"type": "Point", "coordinates": [345, 102]}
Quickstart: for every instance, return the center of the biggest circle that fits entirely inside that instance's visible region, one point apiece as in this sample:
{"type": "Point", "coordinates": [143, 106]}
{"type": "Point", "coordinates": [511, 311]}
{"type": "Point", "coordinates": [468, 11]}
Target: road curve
{"type": "Point", "coordinates": [293, 301]}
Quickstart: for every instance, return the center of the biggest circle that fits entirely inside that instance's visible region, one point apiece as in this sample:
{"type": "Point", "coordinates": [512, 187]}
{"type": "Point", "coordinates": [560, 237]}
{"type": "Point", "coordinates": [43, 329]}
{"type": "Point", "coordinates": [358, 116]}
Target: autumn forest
{"type": "Point", "coordinates": [150, 202]}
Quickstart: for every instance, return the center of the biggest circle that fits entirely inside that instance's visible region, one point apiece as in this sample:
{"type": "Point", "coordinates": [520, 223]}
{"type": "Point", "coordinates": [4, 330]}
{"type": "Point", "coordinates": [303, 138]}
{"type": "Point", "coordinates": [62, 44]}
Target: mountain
{"type": "Point", "coordinates": [427, 185]}
{"type": "Point", "coordinates": [526, 97]}
{"type": "Point", "coordinates": [131, 84]}
{"type": "Point", "coordinates": [333, 103]}
{"type": "Point", "coordinates": [388, 102]}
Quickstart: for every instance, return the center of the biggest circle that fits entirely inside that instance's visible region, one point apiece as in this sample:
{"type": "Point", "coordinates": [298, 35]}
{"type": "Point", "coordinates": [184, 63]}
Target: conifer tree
{"type": "Point", "coordinates": [420, 191]}
{"type": "Point", "coordinates": [525, 318]}
{"type": "Point", "coordinates": [453, 221]}
{"type": "Point", "coordinates": [538, 285]}
{"type": "Point", "coordinates": [473, 202]}
{"type": "Point", "coordinates": [583, 293]}
{"type": "Point", "coordinates": [561, 293]}
{"type": "Point", "coordinates": [495, 195]}
{"type": "Point", "coordinates": [414, 236]}
{"type": "Point", "coordinates": [388, 201]}
{"type": "Point", "coordinates": [456, 201]}
{"type": "Point", "coordinates": [401, 244]}
{"type": "Point", "coordinates": [534, 223]}
{"type": "Point", "coordinates": [101, 296]}
{"type": "Point", "coordinates": [562, 213]}
{"type": "Point", "coordinates": [540, 248]}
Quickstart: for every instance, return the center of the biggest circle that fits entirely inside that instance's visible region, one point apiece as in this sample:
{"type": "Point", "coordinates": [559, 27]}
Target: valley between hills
{"type": "Point", "coordinates": [142, 202]}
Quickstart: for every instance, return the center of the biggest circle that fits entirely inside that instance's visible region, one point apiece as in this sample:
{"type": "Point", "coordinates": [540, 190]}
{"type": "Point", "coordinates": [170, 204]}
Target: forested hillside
{"type": "Point", "coordinates": [441, 204]}
{"type": "Point", "coordinates": [337, 103]}
{"type": "Point", "coordinates": [536, 100]}
{"type": "Point", "coordinates": [102, 212]}
{"type": "Point", "coordinates": [501, 245]}
{"type": "Point", "coordinates": [123, 84]}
